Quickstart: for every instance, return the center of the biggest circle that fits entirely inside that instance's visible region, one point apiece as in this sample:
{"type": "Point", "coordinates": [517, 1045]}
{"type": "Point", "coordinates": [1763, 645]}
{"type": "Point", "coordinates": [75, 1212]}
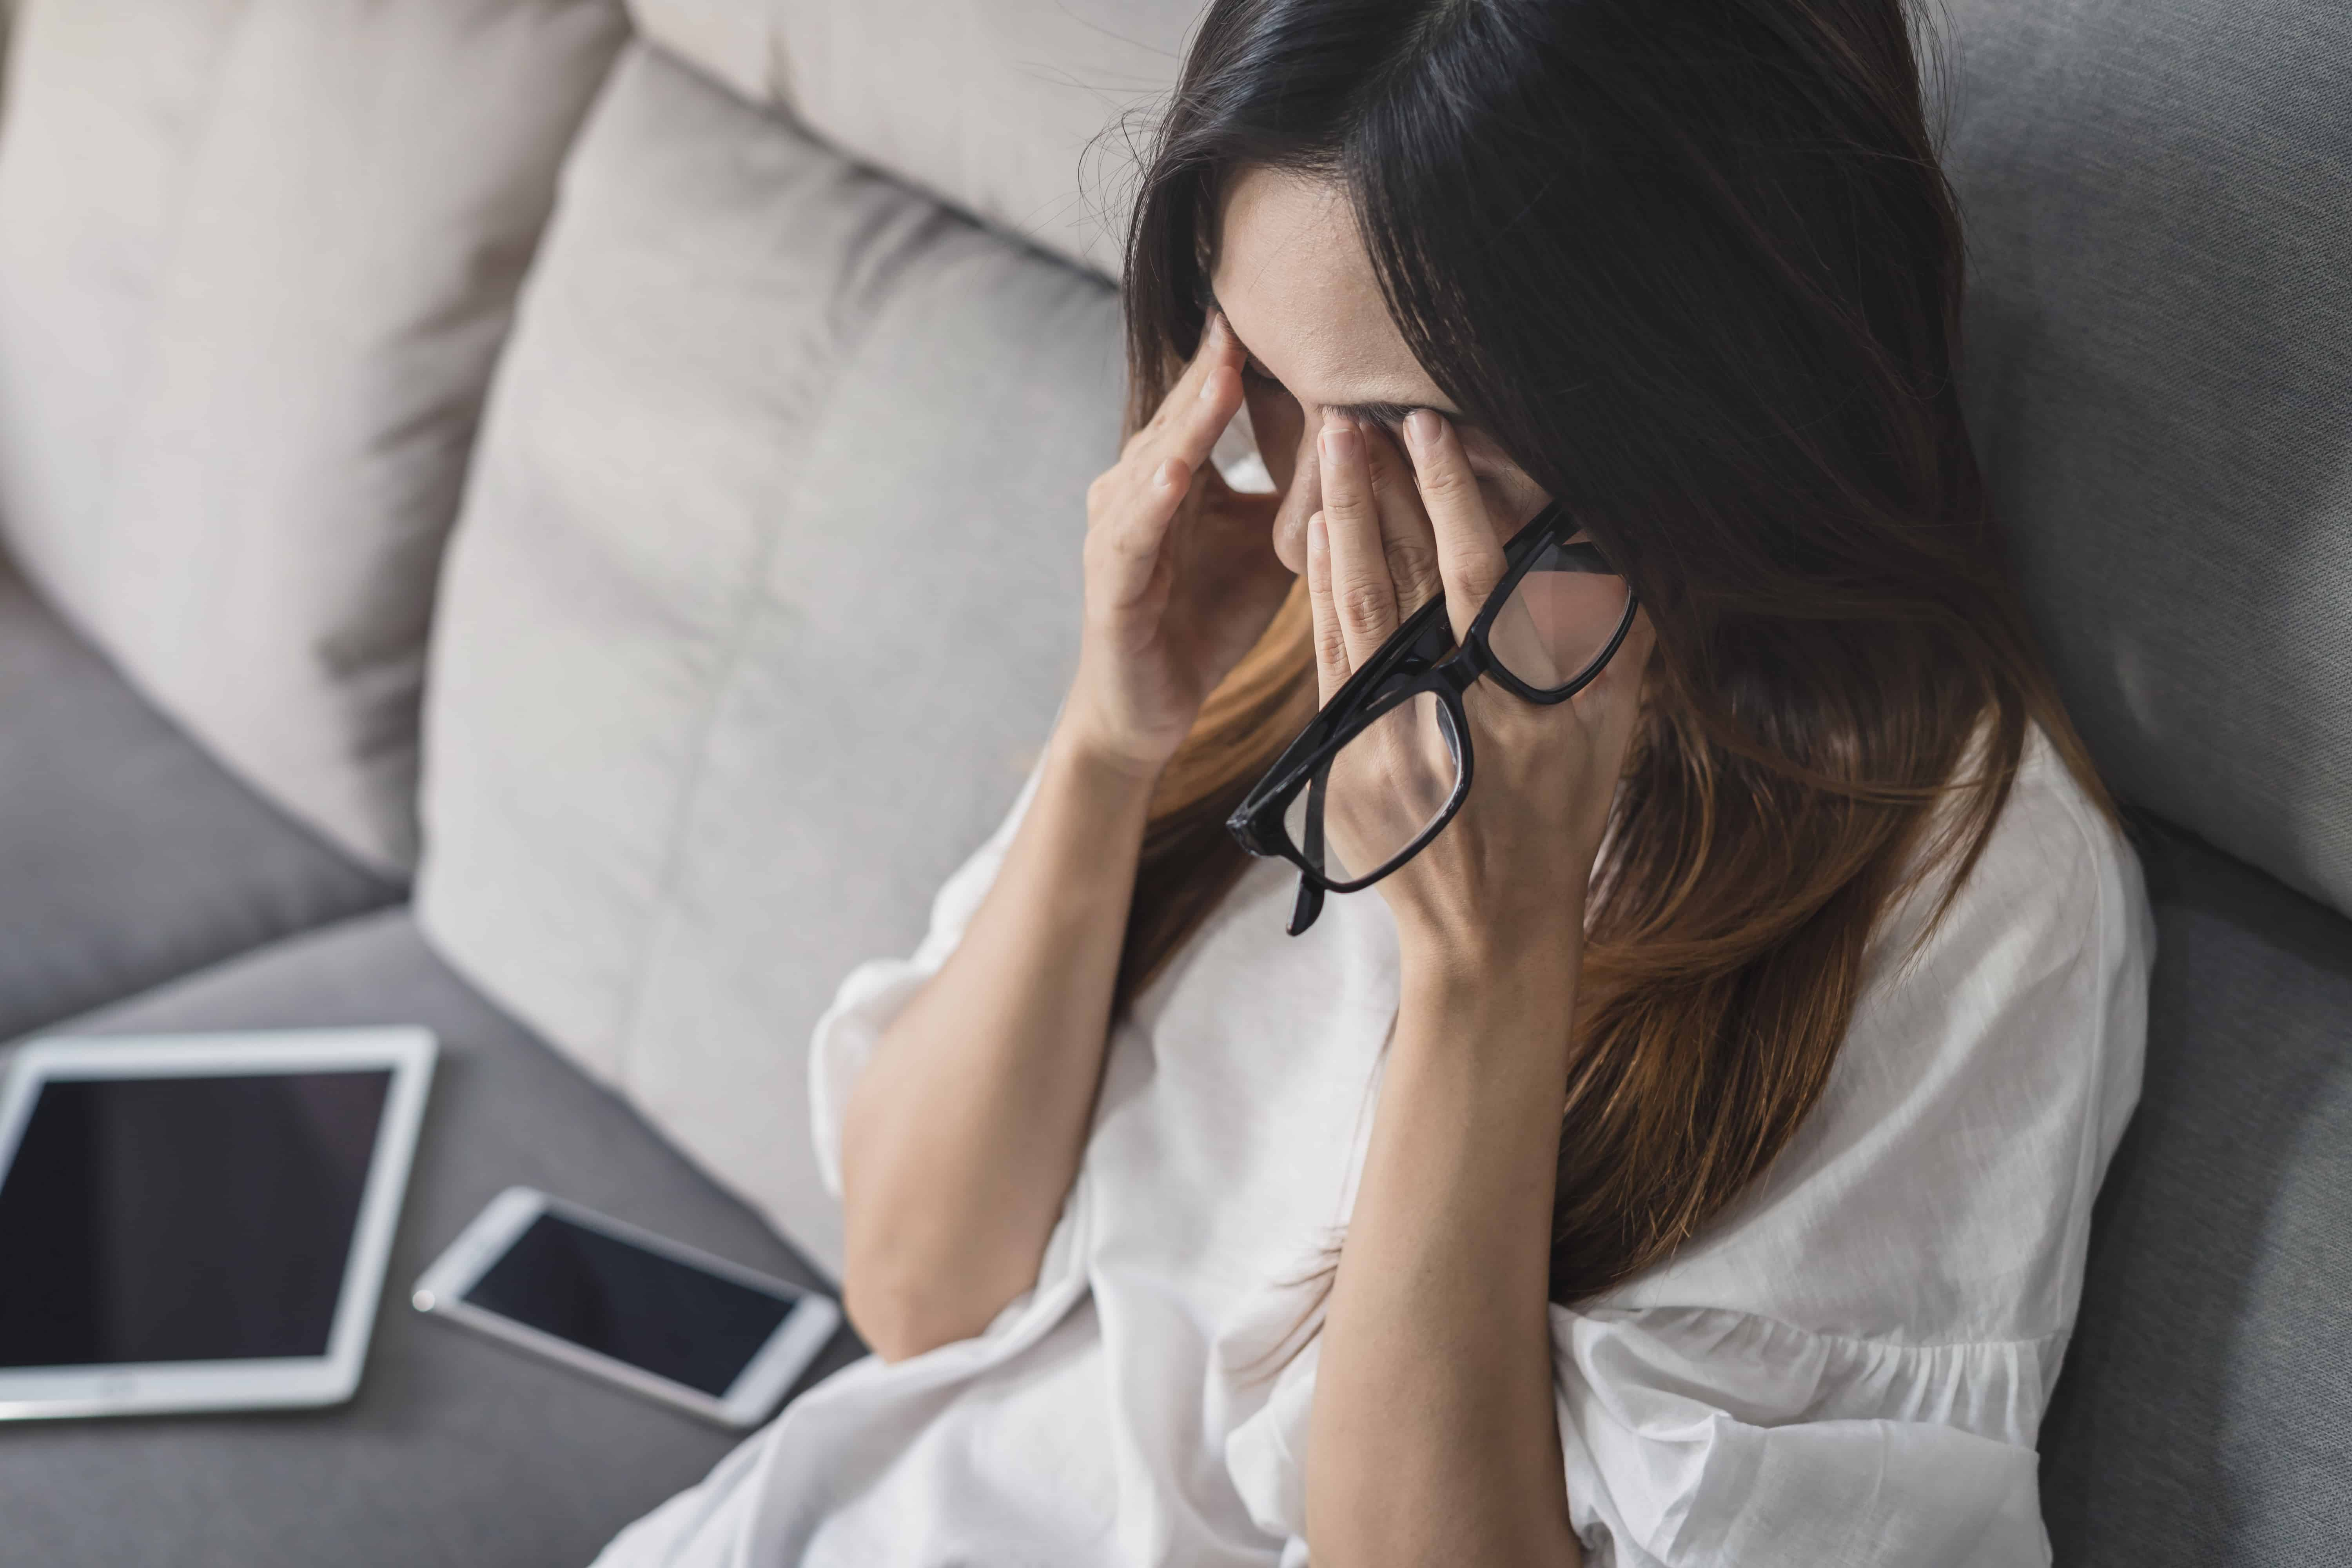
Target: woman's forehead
{"type": "Point", "coordinates": [1293, 277]}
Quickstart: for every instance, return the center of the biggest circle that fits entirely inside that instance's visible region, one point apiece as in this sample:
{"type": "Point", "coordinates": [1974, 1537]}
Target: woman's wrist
{"type": "Point", "coordinates": [1092, 734]}
{"type": "Point", "coordinates": [1471, 947]}
{"type": "Point", "coordinates": [1493, 986]}
{"type": "Point", "coordinates": [1104, 768]}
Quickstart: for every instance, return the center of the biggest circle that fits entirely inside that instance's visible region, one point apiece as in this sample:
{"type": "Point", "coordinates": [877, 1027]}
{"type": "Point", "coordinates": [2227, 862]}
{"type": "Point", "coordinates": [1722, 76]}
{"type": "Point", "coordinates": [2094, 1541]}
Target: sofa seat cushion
{"type": "Point", "coordinates": [127, 855]}
{"type": "Point", "coordinates": [457, 1450]}
{"type": "Point", "coordinates": [2205, 1412]}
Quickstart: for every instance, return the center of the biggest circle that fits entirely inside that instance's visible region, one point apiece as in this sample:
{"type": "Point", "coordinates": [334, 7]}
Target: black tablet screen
{"type": "Point", "coordinates": [670, 1318]}
{"type": "Point", "coordinates": [184, 1219]}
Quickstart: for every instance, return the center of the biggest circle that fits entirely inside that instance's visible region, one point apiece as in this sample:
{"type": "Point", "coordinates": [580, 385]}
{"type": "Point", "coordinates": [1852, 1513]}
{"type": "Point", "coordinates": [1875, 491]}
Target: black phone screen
{"type": "Point", "coordinates": [614, 1297]}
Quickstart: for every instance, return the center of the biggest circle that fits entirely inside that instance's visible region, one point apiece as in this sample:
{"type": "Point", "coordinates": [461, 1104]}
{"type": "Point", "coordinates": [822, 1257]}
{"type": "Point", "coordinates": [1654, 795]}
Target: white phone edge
{"type": "Point", "coordinates": [766, 1378]}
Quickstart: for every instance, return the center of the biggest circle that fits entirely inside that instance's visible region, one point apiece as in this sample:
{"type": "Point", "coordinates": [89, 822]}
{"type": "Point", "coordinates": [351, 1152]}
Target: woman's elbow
{"type": "Point", "coordinates": [903, 1317]}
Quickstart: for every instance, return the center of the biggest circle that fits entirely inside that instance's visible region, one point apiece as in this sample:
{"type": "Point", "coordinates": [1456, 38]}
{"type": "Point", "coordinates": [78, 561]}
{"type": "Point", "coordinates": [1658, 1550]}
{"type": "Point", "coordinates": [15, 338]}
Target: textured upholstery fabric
{"type": "Point", "coordinates": [257, 257]}
{"type": "Point", "coordinates": [765, 589]}
{"type": "Point", "coordinates": [126, 854]}
{"type": "Point", "coordinates": [2204, 1416]}
{"type": "Point", "coordinates": [2160, 337]}
{"type": "Point", "coordinates": [1018, 111]}
{"type": "Point", "coordinates": [457, 1451]}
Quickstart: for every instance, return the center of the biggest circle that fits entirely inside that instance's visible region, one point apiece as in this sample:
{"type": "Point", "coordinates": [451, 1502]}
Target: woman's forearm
{"type": "Point", "coordinates": [965, 1129]}
{"type": "Point", "coordinates": [1434, 1437]}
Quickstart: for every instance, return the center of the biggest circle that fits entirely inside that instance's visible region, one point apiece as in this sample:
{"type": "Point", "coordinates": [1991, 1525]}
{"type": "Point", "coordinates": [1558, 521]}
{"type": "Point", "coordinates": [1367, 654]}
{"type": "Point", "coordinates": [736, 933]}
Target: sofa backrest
{"type": "Point", "coordinates": [2159, 335]}
{"type": "Point", "coordinates": [1022, 112]}
{"type": "Point", "coordinates": [256, 258]}
{"type": "Point", "coordinates": [764, 591]}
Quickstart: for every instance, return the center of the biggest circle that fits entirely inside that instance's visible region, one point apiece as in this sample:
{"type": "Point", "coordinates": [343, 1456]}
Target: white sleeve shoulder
{"type": "Point", "coordinates": [872, 994]}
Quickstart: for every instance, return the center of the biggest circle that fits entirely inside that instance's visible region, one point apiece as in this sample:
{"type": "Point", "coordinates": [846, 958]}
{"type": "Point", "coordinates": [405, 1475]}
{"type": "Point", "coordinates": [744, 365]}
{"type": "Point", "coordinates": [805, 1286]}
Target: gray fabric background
{"type": "Point", "coordinates": [127, 855]}
{"type": "Point", "coordinates": [458, 1450]}
{"type": "Point", "coordinates": [2204, 1416]}
{"type": "Point", "coordinates": [2159, 201]}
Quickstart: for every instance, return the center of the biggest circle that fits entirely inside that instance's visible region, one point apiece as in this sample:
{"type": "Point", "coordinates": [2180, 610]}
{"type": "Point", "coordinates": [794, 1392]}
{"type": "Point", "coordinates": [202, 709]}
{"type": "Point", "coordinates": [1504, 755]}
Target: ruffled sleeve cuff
{"type": "Point", "coordinates": [1709, 1437]}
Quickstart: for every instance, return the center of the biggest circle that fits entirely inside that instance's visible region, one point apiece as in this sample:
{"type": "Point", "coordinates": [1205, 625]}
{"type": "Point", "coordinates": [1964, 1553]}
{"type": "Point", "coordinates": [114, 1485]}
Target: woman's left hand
{"type": "Point", "coordinates": [1511, 871]}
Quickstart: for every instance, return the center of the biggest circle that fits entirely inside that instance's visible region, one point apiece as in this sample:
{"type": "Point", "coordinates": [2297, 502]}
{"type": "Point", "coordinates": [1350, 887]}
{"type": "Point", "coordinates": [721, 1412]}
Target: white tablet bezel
{"type": "Point", "coordinates": [275, 1382]}
{"type": "Point", "coordinates": [765, 1379]}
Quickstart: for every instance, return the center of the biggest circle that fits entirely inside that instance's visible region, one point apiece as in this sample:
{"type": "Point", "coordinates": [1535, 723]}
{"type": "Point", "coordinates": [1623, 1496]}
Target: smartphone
{"type": "Point", "coordinates": [678, 1325]}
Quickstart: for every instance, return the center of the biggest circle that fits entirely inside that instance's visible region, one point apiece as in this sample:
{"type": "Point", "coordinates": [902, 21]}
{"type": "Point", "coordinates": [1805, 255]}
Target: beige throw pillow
{"type": "Point", "coordinates": [256, 258]}
{"type": "Point", "coordinates": [1018, 111]}
{"type": "Point", "coordinates": [765, 591]}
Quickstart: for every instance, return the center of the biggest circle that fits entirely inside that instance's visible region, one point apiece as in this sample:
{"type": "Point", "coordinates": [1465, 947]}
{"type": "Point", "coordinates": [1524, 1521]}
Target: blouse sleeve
{"type": "Point", "coordinates": [1851, 1367]}
{"type": "Point", "coordinates": [1715, 1437]}
{"type": "Point", "coordinates": [873, 993]}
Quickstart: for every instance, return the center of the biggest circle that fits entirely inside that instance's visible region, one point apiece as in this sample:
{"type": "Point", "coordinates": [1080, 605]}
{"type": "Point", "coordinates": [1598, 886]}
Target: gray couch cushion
{"type": "Point", "coordinates": [256, 258]}
{"type": "Point", "coordinates": [2159, 202]}
{"type": "Point", "coordinates": [457, 1450]}
{"type": "Point", "coordinates": [765, 589]}
{"type": "Point", "coordinates": [127, 855]}
{"type": "Point", "coordinates": [2205, 1414]}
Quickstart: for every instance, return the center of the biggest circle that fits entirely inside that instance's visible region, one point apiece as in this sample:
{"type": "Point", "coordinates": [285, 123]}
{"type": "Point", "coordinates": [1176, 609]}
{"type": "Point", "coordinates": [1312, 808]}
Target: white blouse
{"type": "Point", "coordinates": [1848, 1368]}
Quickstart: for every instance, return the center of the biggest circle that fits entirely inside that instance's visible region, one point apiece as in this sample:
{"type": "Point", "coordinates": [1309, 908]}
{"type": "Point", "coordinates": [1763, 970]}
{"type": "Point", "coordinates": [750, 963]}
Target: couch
{"type": "Point", "coordinates": [559, 523]}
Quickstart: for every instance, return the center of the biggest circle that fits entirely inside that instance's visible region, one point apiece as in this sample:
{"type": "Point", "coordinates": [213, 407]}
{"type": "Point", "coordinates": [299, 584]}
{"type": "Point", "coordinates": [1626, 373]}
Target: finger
{"type": "Point", "coordinates": [1331, 666]}
{"type": "Point", "coordinates": [1204, 395]}
{"type": "Point", "coordinates": [1131, 545]}
{"type": "Point", "coordinates": [1469, 558]}
{"type": "Point", "coordinates": [1362, 593]}
{"type": "Point", "coordinates": [1407, 538]}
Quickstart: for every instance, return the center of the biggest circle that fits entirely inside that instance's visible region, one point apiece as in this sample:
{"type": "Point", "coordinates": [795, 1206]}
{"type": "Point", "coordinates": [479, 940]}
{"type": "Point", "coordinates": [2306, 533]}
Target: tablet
{"type": "Point", "coordinates": [199, 1222]}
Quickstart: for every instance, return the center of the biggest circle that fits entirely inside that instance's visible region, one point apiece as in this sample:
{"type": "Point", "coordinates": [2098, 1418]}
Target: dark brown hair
{"type": "Point", "coordinates": [1695, 265]}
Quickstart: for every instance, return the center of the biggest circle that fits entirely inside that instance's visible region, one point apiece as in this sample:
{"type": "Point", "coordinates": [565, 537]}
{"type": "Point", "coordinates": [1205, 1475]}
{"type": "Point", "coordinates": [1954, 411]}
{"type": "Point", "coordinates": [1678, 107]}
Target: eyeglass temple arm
{"type": "Point", "coordinates": [1309, 905]}
{"type": "Point", "coordinates": [1310, 894]}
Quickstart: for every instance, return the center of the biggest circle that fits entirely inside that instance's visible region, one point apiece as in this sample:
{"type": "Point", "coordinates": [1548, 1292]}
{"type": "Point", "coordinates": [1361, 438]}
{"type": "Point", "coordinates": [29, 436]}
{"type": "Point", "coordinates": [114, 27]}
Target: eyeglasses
{"type": "Point", "coordinates": [1384, 767]}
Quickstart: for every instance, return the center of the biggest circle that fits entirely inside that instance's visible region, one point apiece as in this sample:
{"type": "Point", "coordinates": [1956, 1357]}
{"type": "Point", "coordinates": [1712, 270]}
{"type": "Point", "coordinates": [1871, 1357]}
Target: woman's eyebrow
{"type": "Point", "coordinates": [1388, 416]}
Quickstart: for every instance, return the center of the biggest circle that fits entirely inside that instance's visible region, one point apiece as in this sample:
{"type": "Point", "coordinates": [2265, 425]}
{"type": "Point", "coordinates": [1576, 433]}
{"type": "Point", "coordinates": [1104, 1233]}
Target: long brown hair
{"type": "Point", "coordinates": [1696, 267]}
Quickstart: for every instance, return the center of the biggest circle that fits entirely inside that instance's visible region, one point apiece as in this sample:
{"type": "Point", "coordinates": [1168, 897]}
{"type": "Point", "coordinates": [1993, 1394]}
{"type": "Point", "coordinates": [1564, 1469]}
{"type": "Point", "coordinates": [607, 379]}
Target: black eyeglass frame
{"type": "Point", "coordinates": [1413, 661]}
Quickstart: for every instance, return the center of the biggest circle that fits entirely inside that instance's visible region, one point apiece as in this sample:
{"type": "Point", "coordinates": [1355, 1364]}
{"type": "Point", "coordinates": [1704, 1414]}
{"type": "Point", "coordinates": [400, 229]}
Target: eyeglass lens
{"type": "Point", "coordinates": [1379, 792]}
{"type": "Point", "coordinates": [1559, 620]}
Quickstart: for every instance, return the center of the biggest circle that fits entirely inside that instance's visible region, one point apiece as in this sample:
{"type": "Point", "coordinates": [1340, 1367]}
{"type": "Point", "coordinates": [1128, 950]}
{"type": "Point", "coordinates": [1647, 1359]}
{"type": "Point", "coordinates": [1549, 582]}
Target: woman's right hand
{"type": "Point", "coordinates": [1180, 573]}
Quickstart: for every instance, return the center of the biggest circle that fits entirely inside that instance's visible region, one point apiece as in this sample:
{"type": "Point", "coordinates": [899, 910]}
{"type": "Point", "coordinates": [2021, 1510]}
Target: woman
{"type": "Point", "coordinates": [1684, 1157]}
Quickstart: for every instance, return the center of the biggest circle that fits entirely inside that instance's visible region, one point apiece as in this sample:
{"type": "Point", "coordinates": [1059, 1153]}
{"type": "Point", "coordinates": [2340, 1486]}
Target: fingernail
{"type": "Point", "coordinates": [1338, 440]}
{"type": "Point", "coordinates": [1209, 384]}
{"type": "Point", "coordinates": [1318, 537]}
{"type": "Point", "coordinates": [1421, 427]}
